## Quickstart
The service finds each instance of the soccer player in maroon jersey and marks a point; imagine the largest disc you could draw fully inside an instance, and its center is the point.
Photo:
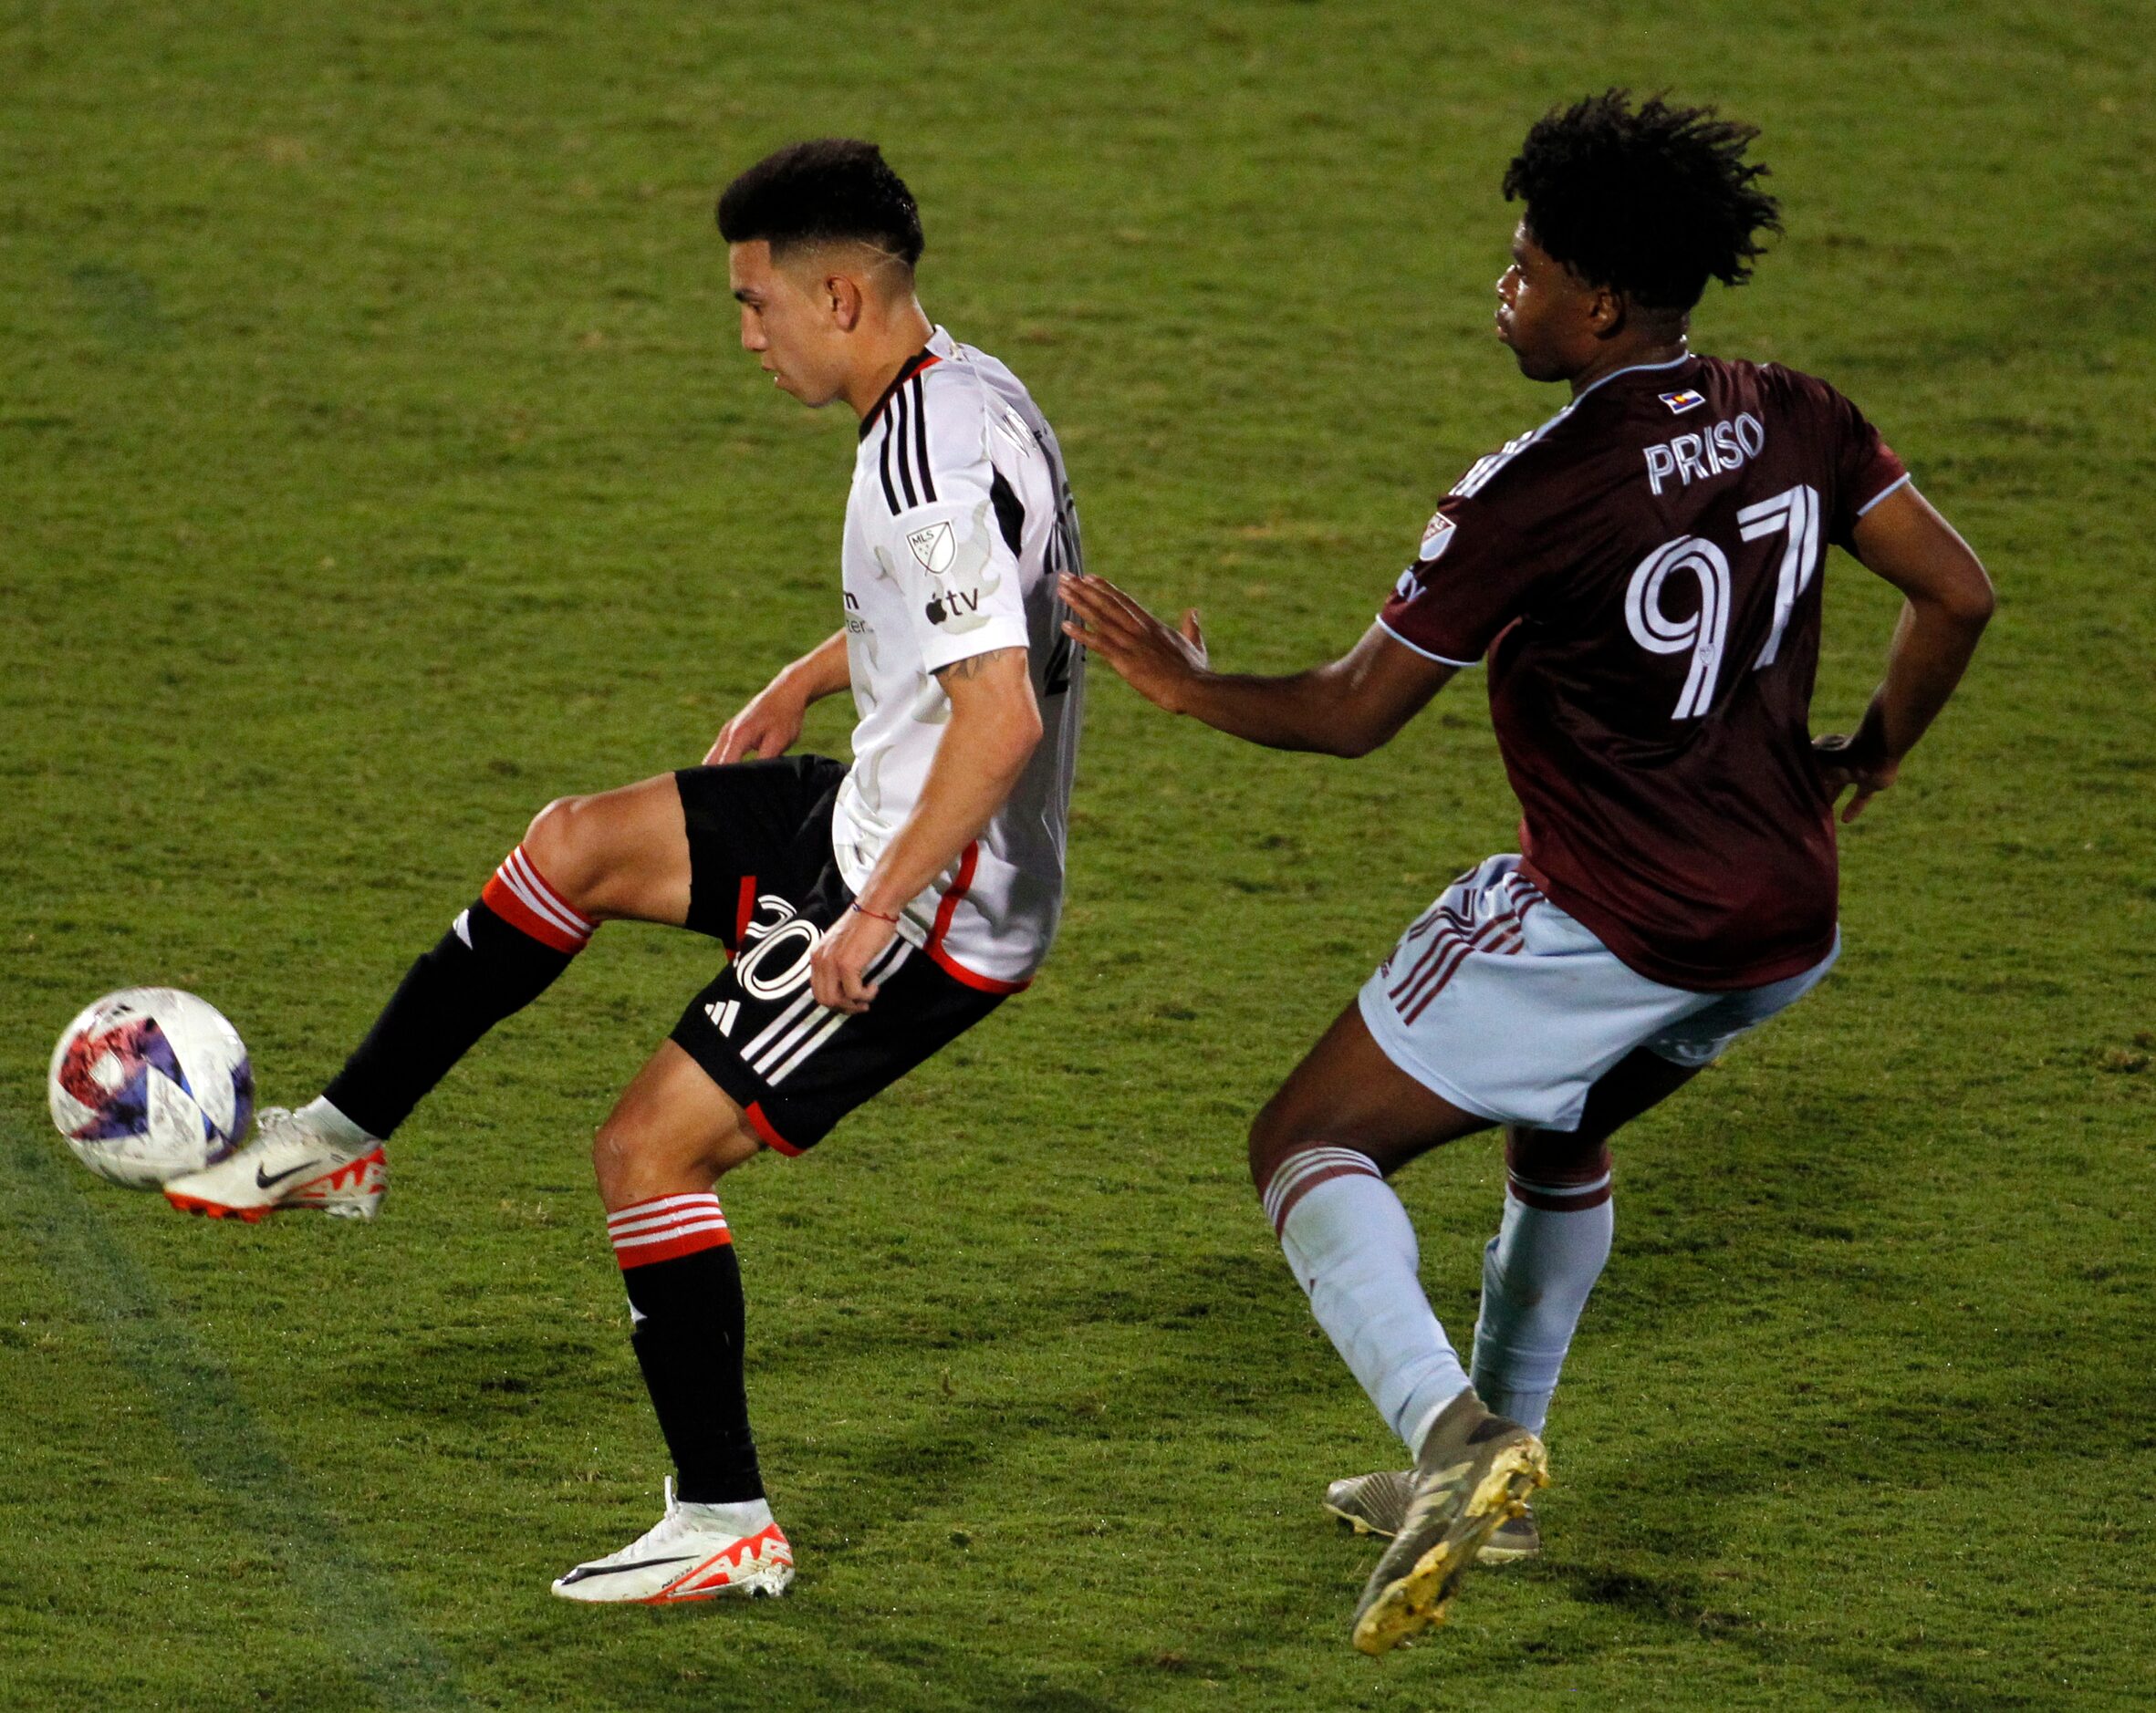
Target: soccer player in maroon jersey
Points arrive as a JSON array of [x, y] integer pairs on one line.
[[1640, 576]]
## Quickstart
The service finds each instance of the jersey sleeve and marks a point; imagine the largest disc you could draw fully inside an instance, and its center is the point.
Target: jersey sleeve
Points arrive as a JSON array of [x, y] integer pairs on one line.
[[959, 576], [1866, 469], [1870, 470], [1469, 579]]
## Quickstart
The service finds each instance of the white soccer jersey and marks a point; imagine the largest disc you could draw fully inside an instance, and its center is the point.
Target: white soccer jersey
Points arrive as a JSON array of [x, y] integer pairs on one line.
[[959, 521]]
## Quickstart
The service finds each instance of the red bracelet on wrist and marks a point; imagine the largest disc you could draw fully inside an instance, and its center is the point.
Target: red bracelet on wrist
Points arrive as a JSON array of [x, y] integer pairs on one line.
[[873, 914]]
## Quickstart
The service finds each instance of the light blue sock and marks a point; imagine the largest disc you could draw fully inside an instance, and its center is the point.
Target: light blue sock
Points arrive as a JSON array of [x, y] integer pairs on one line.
[[1353, 1250], [1536, 1273]]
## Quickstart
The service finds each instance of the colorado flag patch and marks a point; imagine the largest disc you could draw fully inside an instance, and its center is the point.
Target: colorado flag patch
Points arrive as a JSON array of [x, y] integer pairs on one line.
[[1679, 403]]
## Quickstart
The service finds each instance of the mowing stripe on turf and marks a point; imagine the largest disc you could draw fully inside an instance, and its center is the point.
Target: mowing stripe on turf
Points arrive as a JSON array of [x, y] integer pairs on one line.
[[349, 1601]]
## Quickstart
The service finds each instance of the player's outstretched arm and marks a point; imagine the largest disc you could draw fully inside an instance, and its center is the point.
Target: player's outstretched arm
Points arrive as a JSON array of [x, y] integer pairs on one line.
[[1948, 602], [993, 728], [771, 722], [1347, 707]]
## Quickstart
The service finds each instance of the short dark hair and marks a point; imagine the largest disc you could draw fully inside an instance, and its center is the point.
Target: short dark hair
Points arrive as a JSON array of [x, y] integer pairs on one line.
[[1651, 201], [833, 190]]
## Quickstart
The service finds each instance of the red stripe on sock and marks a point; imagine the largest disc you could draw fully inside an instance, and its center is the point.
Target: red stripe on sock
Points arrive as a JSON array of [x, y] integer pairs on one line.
[[691, 1244], [521, 895], [666, 1228], [495, 895]]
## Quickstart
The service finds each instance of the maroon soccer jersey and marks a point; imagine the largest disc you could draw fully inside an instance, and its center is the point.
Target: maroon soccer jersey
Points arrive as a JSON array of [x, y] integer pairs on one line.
[[1642, 572]]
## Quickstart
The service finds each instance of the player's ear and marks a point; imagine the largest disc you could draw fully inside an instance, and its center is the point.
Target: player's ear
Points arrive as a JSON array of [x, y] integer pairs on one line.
[[843, 301], [1606, 312]]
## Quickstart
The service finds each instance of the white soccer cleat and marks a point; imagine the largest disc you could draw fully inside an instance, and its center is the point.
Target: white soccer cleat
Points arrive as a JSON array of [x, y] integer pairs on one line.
[[695, 1552], [288, 1164]]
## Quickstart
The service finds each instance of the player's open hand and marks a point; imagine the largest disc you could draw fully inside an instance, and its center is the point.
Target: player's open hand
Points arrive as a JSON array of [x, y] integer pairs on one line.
[[849, 946], [1155, 662], [768, 726], [1858, 761]]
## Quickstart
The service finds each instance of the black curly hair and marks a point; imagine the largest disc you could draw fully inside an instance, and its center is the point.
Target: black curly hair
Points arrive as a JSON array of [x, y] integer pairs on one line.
[[1653, 201], [834, 189]]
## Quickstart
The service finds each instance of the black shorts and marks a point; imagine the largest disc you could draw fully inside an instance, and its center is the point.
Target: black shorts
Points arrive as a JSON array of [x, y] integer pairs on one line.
[[762, 880]]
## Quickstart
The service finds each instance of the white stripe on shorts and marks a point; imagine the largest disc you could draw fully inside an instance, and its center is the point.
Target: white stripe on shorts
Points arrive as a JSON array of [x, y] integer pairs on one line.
[[817, 1025]]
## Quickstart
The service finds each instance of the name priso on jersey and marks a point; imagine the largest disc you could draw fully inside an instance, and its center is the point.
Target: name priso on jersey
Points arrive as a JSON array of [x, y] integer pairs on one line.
[[1795, 512], [1719, 449]]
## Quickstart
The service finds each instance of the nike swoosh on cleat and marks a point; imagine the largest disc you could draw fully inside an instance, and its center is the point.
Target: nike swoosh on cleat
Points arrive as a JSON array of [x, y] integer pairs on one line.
[[583, 1570], [262, 1181]]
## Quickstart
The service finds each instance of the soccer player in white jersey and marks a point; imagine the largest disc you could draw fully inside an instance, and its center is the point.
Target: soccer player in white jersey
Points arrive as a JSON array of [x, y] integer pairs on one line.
[[874, 911]]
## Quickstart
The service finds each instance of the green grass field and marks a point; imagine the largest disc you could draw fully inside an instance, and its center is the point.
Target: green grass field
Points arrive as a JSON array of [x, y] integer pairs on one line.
[[376, 463]]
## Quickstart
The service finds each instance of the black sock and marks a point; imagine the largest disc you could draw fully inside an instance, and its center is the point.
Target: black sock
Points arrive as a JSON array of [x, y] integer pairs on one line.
[[481, 971], [688, 1341]]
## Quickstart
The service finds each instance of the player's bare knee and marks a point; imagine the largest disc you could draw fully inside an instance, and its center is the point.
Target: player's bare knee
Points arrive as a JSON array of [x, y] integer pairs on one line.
[[560, 844], [1274, 1133], [635, 1154], [613, 1155], [1260, 1152], [548, 830]]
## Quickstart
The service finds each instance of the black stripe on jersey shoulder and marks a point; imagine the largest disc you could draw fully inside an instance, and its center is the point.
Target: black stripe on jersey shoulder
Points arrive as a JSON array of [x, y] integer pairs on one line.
[[906, 370], [890, 494], [918, 404], [897, 437], [1010, 511]]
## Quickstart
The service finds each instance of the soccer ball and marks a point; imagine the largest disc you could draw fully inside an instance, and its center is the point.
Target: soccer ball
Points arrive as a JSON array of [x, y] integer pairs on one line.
[[151, 1082]]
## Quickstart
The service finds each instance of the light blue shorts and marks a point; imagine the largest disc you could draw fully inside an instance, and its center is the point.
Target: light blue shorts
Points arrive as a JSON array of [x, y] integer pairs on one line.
[[1499, 1003]]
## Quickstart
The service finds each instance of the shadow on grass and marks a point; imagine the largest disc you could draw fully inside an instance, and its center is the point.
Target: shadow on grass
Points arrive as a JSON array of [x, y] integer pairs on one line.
[[1707, 1484], [354, 1612]]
